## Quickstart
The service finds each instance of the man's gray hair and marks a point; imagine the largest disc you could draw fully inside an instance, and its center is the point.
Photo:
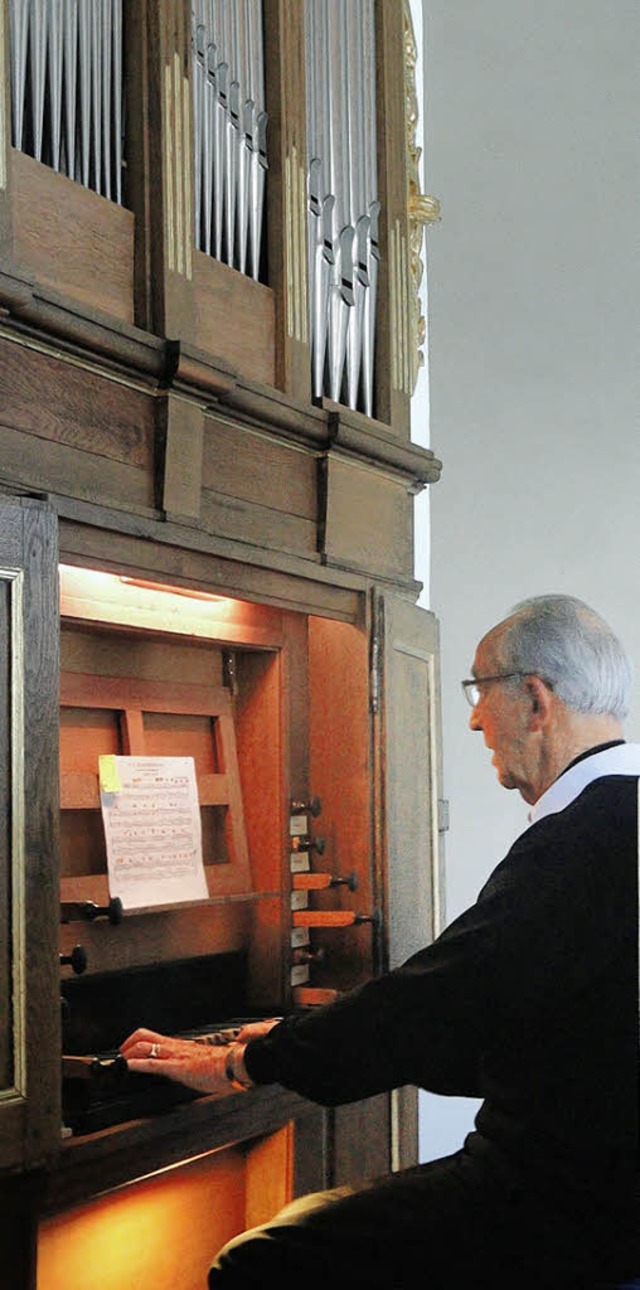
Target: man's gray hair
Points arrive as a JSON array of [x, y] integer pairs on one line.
[[568, 644]]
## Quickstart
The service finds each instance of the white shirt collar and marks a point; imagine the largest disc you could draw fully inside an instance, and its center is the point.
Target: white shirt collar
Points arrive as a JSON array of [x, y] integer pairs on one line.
[[623, 759]]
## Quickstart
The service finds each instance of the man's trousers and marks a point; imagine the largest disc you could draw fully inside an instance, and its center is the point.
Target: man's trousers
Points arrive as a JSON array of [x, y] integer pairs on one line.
[[454, 1224]]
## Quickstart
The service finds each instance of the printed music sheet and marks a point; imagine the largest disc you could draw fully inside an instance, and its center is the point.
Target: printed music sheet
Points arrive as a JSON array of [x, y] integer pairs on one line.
[[152, 829]]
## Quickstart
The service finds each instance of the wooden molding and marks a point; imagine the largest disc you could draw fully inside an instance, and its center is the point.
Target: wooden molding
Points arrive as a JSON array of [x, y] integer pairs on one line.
[[180, 464], [286, 192], [393, 334]]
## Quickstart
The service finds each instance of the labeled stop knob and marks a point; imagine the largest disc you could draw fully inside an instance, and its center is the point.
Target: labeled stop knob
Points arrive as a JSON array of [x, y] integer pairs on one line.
[[302, 842], [77, 959], [312, 807], [332, 918], [322, 881], [306, 955], [70, 910]]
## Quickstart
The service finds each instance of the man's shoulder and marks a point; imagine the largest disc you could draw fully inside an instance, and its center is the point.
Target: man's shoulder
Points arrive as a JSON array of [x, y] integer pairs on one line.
[[599, 824], [610, 801]]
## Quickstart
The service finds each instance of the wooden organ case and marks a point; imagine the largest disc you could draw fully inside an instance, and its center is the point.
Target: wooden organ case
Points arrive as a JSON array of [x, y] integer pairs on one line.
[[209, 331]]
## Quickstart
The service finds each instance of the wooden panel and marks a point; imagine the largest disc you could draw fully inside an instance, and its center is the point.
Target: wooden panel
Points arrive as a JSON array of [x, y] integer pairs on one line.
[[177, 1230], [136, 54], [369, 521], [187, 736], [85, 733], [163, 144], [20, 1197], [312, 1152], [121, 692], [132, 732], [287, 192], [258, 525], [6, 930], [411, 739], [41, 830], [405, 1111], [82, 410], [95, 660], [298, 716], [92, 1165], [6, 220], [82, 843], [150, 610], [234, 818], [257, 469], [262, 761], [340, 770], [269, 1179], [233, 318], [71, 239], [109, 652], [169, 720], [182, 433], [273, 579], [393, 329], [68, 471], [265, 949], [30, 1106], [155, 937], [80, 792], [362, 1141]]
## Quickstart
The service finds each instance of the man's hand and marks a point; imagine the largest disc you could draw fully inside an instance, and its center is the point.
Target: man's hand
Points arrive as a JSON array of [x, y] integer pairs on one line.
[[199, 1066], [254, 1029]]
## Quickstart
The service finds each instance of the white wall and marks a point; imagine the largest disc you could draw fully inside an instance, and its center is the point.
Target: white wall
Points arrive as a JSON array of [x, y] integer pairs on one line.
[[532, 146]]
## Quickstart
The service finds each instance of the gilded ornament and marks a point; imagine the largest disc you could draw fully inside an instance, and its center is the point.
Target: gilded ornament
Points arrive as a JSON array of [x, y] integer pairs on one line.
[[422, 209]]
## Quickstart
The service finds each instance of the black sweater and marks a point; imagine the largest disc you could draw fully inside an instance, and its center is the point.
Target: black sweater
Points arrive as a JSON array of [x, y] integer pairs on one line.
[[528, 1000]]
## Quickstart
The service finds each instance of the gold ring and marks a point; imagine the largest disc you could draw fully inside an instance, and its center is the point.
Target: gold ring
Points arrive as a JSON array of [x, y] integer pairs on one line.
[[155, 1050]]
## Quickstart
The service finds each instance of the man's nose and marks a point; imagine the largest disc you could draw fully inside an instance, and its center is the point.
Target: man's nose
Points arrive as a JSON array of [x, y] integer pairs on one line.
[[475, 721]]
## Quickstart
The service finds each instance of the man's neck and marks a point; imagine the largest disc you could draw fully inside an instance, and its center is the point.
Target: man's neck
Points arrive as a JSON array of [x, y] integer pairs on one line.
[[611, 743], [581, 733], [575, 736]]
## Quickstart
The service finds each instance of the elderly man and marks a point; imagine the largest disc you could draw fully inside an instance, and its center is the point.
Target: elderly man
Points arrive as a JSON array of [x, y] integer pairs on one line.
[[528, 1001]]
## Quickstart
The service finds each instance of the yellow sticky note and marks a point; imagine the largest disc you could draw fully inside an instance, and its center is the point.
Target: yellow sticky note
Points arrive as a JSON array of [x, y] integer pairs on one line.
[[109, 781]]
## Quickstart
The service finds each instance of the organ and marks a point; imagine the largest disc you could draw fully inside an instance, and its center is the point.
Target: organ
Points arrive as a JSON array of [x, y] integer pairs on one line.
[[209, 333]]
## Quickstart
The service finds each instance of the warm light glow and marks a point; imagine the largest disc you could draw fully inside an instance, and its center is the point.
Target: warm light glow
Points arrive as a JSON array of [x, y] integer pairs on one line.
[[120, 600], [163, 1232], [190, 592]]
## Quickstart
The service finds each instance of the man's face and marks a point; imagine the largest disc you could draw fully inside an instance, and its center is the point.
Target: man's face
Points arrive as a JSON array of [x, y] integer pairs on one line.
[[502, 714]]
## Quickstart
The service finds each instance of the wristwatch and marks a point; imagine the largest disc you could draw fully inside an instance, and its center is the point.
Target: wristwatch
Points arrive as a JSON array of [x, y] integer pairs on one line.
[[234, 1068]]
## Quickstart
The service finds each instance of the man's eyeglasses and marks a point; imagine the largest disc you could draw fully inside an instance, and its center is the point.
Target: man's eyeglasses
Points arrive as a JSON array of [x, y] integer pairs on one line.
[[471, 688]]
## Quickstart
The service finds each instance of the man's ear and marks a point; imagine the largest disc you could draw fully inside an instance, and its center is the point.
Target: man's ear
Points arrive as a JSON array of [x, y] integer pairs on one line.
[[541, 699]]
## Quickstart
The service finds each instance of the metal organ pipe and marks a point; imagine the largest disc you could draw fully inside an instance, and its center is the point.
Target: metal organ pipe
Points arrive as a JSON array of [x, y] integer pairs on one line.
[[67, 88], [230, 130], [67, 111], [343, 204]]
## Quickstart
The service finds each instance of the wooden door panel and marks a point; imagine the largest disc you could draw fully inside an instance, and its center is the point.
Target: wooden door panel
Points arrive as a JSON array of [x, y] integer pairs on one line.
[[407, 736], [410, 724], [29, 975]]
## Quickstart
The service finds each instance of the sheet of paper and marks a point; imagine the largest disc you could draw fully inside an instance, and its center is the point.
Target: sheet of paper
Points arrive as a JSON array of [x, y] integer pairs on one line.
[[152, 829]]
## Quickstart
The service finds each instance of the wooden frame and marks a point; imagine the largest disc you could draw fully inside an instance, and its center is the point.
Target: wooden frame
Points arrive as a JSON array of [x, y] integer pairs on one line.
[[139, 264], [178, 442], [30, 1103], [131, 699]]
